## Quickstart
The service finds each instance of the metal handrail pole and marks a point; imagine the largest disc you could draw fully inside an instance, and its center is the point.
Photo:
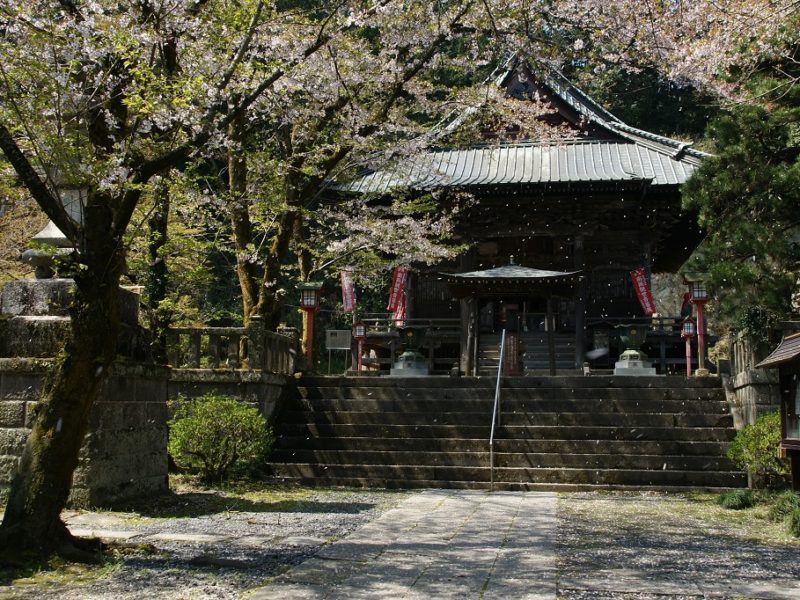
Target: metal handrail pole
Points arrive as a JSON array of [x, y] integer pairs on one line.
[[495, 410]]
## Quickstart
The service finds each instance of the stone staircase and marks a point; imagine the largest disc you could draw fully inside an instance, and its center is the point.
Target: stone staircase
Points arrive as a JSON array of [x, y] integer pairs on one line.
[[562, 433]]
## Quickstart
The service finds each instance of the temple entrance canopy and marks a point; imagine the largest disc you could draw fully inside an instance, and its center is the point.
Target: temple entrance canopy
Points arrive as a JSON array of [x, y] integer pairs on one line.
[[517, 299]]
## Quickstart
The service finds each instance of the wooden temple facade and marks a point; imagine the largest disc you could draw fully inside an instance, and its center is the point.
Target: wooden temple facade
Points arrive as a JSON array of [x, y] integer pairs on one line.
[[554, 231]]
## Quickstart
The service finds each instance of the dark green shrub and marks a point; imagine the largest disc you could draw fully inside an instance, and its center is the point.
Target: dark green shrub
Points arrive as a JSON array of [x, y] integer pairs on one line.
[[755, 450], [737, 499], [783, 505], [214, 435], [794, 522]]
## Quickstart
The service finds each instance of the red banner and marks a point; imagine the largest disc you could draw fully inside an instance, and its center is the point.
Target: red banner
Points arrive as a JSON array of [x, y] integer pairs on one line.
[[348, 292], [398, 283], [643, 291], [399, 315]]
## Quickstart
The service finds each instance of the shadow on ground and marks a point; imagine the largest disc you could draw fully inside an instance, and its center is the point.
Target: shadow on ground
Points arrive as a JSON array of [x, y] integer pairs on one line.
[[196, 504]]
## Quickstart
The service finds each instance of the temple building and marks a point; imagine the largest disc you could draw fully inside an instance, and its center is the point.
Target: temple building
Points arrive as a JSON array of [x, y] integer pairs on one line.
[[557, 225]]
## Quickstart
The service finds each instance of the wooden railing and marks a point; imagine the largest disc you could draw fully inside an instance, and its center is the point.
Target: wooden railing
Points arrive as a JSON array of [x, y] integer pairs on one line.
[[251, 348], [385, 322], [384, 332]]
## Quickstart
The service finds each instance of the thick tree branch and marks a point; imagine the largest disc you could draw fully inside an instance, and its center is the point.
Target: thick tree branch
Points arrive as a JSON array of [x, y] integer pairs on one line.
[[44, 198]]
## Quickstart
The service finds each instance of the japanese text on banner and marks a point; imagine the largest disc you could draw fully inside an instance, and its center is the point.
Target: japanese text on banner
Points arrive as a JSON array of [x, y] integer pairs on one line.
[[399, 315], [643, 292], [348, 291], [398, 283]]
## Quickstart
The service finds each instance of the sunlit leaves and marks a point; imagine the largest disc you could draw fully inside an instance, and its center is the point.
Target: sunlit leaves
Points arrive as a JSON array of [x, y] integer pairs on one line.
[[748, 197]]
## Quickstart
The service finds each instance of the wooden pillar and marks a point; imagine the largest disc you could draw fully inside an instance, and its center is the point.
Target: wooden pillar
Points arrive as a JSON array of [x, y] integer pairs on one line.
[[475, 336], [794, 462], [550, 323], [580, 302], [409, 292], [468, 331]]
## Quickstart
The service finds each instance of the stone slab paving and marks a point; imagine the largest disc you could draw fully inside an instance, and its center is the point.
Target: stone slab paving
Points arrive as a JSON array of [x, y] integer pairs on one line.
[[437, 544], [504, 545]]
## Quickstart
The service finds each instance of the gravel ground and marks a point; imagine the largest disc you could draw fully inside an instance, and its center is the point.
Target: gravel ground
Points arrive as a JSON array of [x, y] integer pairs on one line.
[[668, 538], [261, 539]]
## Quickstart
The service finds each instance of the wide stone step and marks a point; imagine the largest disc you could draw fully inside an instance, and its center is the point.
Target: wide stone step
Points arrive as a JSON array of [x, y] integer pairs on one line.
[[562, 475], [505, 459], [457, 393], [510, 417], [509, 406], [401, 484], [668, 381], [557, 446], [508, 431]]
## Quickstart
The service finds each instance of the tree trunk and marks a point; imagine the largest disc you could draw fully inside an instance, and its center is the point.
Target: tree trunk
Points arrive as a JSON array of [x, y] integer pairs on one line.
[[246, 267], [39, 491], [158, 274], [304, 261], [268, 301]]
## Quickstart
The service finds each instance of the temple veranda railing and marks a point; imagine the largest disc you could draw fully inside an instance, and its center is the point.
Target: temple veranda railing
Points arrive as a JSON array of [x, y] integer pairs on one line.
[[251, 348]]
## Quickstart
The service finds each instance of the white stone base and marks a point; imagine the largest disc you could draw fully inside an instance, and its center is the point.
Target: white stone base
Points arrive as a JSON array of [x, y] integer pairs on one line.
[[633, 367], [408, 370]]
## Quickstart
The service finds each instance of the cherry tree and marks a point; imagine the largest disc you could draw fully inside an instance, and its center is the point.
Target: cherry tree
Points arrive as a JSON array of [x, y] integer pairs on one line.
[[358, 97], [104, 96], [716, 45]]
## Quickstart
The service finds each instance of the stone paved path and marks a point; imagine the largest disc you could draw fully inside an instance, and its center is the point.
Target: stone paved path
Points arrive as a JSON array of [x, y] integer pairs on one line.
[[452, 544], [437, 544]]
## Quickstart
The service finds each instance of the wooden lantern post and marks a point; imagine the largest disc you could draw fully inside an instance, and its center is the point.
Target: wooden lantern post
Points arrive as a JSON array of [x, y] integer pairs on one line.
[[359, 335], [699, 297], [687, 333], [309, 304]]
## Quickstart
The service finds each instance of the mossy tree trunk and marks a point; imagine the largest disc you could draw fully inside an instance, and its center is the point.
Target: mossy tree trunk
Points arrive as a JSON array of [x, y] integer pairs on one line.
[[39, 492], [158, 273], [247, 268]]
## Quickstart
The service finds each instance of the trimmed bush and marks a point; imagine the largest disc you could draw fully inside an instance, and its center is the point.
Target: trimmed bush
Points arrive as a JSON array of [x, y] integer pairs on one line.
[[755, 450], [215, 435], [737, 499]]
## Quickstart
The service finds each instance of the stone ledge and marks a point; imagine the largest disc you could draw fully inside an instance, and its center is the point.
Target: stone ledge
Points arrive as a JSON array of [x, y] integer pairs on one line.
[[225, 376], [26, 365], [755, 377], [12, 413], [12, 441]]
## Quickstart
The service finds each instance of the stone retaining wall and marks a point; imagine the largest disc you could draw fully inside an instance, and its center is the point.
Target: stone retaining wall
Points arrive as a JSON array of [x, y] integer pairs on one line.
[[263, 390], [125, 452], [752, 393]]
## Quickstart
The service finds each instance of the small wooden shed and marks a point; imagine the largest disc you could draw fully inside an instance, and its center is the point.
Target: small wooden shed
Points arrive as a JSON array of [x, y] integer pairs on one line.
[[786, 358]]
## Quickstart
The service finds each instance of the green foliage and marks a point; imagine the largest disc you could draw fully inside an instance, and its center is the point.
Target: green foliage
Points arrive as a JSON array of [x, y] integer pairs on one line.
[[757, 322], [649, 100], [200, 282], [794, 522], [783, 505], [747, 197], [755, 449], [737, 499], [215, 435]]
